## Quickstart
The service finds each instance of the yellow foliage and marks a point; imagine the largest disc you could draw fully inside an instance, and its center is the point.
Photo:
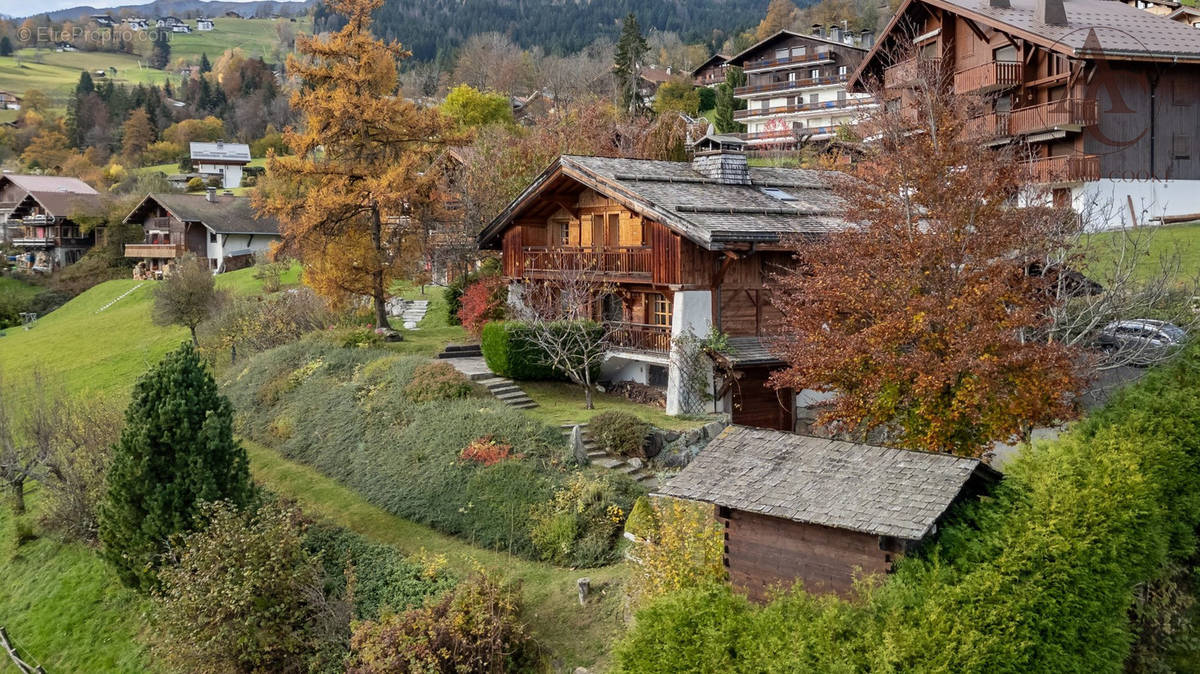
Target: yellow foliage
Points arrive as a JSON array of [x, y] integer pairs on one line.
[[684, 550]]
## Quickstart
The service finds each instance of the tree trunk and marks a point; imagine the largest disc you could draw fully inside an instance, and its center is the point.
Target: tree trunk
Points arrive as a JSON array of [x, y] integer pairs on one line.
[[195, 342], [18, 497], [587, 391], [378, 294]]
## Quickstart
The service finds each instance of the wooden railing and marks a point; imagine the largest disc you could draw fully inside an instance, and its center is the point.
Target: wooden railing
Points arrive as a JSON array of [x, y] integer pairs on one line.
[[1065, 112], [804, 107], [909, 72], [990, 76], [154, 250], [640, 336], [786, 61], [606, 261], [986, 127], [784, 85], [1069, 168], [157, 223]]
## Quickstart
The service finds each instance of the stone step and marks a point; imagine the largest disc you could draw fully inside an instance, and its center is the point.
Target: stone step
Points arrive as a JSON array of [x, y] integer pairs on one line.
[[608, 462], [524, 406], [596, 454], [515, 396]]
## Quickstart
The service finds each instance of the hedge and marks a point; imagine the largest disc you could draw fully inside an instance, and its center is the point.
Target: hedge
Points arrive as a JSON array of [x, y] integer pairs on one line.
[[510, 350], [1043, 576]]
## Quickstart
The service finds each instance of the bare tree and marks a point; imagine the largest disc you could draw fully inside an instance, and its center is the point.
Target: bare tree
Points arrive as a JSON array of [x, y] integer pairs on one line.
[[27, 435], [557, 312], [75, 471], [187, 297]]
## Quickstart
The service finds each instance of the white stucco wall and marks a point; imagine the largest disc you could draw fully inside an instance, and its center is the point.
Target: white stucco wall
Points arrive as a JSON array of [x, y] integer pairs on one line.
[[231, 174], [230, 243], [691, 311]]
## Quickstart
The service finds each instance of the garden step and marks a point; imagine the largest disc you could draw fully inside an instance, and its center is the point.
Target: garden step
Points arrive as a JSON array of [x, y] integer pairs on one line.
[[628, 469], [609, 462], [525, 406], [513, 397], [597, 454]]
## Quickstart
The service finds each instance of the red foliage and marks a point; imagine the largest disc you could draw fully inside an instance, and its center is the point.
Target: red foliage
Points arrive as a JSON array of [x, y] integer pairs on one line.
[[487, 451], [482, 301]]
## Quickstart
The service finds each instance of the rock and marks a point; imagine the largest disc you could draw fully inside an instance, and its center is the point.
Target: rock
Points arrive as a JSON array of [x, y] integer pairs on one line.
[[635, 462], [410, 325], [390, 335], [581, 670], [585, 584], [578, 450], [713, 428]]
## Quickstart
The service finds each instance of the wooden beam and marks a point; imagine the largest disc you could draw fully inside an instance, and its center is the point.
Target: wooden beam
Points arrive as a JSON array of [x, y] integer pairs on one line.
[[719, 277], [566, 205], [975, 29]]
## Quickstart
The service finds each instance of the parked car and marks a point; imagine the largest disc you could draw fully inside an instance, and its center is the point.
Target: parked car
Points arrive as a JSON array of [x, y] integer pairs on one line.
[[1144, 340]]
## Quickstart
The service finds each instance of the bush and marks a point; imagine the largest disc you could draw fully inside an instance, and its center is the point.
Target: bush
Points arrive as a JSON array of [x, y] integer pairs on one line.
[[77, 469], [214, 181], [708, 98], [486, 451], [437, 381], [195, 184], [510, 350], [476, 628], [482, 302], [454, 292], [581, 524], [253, 324], [681, 547], [620, 432]]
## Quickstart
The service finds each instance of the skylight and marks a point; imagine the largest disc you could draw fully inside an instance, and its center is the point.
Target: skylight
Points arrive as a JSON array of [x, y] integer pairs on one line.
[[777, 193]]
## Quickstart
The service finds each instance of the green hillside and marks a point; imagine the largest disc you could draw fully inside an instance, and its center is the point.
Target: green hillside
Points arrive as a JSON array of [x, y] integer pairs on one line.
[[1164, 243]]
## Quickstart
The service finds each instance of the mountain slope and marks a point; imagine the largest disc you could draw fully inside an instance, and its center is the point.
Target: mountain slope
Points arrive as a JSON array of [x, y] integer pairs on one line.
[[263, 8]]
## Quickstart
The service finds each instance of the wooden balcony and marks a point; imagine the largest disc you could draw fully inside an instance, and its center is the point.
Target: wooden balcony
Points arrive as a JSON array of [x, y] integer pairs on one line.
[[988, 77], [612, 263], [785, 85], [987, 127], [1071, 168], [640, 337], [161, 223], [910, 72], [39, 219], [804, 107], [765, 64], [1070, 113], [154, 250], [34, 241]]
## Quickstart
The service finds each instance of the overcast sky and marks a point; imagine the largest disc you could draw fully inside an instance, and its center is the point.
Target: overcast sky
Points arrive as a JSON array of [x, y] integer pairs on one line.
[[24, 7]]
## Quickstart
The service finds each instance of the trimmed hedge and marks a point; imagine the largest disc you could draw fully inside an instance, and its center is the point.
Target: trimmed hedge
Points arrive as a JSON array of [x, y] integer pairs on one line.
[[510, 351], [1043, 576]]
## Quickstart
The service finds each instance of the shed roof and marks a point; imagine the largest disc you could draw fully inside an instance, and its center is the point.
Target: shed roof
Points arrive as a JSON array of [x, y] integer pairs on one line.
[[220, 151], [749, 352], [718, 59], [865, 488], [226, 215], [706, 211]]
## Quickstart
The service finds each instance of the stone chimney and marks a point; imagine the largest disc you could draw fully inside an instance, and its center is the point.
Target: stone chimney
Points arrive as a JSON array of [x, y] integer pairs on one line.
[[211, 194], [866, 39], [818, 30], [1050, 12], [721, 158], [835, 33]]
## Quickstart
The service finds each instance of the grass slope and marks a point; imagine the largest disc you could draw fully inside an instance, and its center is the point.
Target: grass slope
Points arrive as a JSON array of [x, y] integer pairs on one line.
[[1164, 243], [16, 288]]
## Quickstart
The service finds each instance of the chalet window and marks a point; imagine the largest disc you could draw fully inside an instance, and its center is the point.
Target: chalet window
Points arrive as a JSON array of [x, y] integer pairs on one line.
[[815, 73], [799, 51], [562, 232], [843, 70], [1181, 146], [614, 229], [612, 308], [1056, 64], [657, 376], [841, 95], [598, 229], [660, 310], [212, 237], [1005, 54], [781, 54], [813, 99]]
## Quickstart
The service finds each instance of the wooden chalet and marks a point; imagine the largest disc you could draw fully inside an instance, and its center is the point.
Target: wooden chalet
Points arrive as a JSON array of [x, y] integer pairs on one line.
[[821, 512], [41, 219], [1105, 96], [685, 246], [222, 229], [711, 72], [14, 188]]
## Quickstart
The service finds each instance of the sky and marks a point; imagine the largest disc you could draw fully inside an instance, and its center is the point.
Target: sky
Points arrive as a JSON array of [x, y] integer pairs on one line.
[[23, 7]]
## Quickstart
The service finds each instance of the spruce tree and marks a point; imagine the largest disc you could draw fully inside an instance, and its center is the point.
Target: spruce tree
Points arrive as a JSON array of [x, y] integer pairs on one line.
[[627, 65], [726, 102], [176, 451], [160, 52], [6, 48], [205, 66]]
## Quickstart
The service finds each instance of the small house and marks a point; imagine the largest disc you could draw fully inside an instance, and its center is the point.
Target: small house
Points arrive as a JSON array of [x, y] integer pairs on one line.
[[47, 227], [221, 159], [9, 101], [181, 28], [14, 188], [711, 72], [222, 229], [167, 22], [821, 512], [1186, 15], [103, 20], [204, 24]]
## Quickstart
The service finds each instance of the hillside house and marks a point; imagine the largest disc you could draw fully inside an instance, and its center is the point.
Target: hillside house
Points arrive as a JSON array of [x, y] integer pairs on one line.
[[686, 247], [1106, 97], [222, 159], [711, 72], [9, 101], [1189, 16], [220, 228], [821, 512], [204, 24], [49, 233], [168, 22], [181, 28], [15, 187], [795, 88]]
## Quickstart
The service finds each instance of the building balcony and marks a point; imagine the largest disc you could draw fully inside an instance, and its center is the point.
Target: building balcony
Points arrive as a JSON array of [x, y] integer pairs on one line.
[[161, 223], [822, 106], [987, 127], [787, 61], [40, 219], [34, 241], [1071, 114], [710, 81], [1071, 168], [154, 250], [613, 263], [640, 337], [988, 77], [908, 73], [787, 136], [757, 90]]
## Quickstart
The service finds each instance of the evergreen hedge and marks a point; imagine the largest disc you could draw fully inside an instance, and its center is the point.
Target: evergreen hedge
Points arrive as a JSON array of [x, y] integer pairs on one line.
[[1043, 576], [510, 350]]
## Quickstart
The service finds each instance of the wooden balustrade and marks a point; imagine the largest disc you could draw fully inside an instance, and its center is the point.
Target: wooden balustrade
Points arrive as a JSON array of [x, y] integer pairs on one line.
[[1066, 168], [154, 250], [909, 72], [615, 262], [1045, 116], [803, 107], [786, 61], [784, 85], [640, 336], [986, 127], [987, 77]]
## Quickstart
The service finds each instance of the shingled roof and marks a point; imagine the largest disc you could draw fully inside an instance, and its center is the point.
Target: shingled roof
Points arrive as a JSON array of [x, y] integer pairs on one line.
[[779, 201], [47, 183], [225, 214], [60, 204], [865, 488]]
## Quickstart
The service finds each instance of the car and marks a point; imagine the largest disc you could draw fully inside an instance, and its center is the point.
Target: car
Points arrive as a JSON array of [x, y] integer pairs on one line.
[[1141, 341]]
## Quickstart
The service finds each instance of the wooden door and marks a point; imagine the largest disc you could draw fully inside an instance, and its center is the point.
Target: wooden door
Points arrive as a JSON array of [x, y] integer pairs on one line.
[[757, 404]]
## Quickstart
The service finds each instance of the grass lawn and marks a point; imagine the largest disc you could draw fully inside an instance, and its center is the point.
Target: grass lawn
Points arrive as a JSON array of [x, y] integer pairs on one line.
[[11, 287], [562, 403], [1164, 242], [576, 636], [64, 607], [256, 37], [435, 330]]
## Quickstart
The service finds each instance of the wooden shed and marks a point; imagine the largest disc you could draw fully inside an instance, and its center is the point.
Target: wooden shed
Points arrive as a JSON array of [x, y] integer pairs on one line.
[[822, 512]]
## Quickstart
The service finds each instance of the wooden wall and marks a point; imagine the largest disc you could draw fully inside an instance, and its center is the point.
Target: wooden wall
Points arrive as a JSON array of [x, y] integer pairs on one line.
[[762, 551], [757, 404]]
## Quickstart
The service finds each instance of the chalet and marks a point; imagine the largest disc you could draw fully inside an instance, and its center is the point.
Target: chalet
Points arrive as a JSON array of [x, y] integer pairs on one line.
[[204, 24], [1103, 95], [686, 247], [650, 78], [1189, 16], [9, 101], [168, 22], [181, 28], [221, 159], [49, 232], [711, 72], [15, 187], [64, 47], [795, 87], [220, 228], [822, 512], [137, 24], [103, 20]]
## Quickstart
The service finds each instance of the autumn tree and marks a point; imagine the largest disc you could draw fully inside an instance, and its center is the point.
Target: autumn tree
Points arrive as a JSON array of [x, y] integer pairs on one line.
[[188, 296], [471, 108], [627, 64], [137, 134], [348, 196], [27, 434], [781, 14], [49, 149], [920, 318], [677, 95]]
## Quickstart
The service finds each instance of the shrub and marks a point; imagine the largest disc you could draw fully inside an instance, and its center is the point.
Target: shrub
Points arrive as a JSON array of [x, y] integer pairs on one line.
[[682, 547], [486, 450], [454, 292], [510, 350], [251, 324], [195, 184], [619, 432], [359, 338], [476, 628], [213, 181], [482, 302], [581, 524], [76, 471], [437, 381]]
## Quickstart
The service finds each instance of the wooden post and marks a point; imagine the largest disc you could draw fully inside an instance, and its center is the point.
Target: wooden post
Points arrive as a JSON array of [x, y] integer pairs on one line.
[[584, 586]]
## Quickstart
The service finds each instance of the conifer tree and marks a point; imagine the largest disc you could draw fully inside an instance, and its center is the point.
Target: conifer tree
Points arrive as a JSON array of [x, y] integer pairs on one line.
[[627, 67], [160, 51], [175, 452], [6, 48], [205, 66], [726, 103]]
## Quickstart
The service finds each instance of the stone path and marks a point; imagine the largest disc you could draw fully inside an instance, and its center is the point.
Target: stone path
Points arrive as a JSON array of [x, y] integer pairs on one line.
[[410, 312], [467, 359], [635, 468]]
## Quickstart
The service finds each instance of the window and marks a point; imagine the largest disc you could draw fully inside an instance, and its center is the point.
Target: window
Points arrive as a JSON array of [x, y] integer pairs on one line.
[[614, 229], [660, 310], [562, 232], [813, 99], [212, 237], [799, 51], [781, 54], [815, 73], [841, 95], [598, 229], [777, 193], [657, 376], [1181, 146], [843, 70]]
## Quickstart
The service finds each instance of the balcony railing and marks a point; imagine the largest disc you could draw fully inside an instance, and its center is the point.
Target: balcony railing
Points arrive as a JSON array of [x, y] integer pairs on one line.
[[157, 223], [154, 250], [787, 61], [33, 241], [804, 107], [617, 262], [987, 127], [640, 336], [1071, 168], [988, 77], [40, 219], [907, 73], [1055, 114], [784, 85]]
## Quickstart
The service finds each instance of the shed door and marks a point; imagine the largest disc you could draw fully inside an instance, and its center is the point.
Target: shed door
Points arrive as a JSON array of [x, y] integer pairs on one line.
[[759, 405]]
